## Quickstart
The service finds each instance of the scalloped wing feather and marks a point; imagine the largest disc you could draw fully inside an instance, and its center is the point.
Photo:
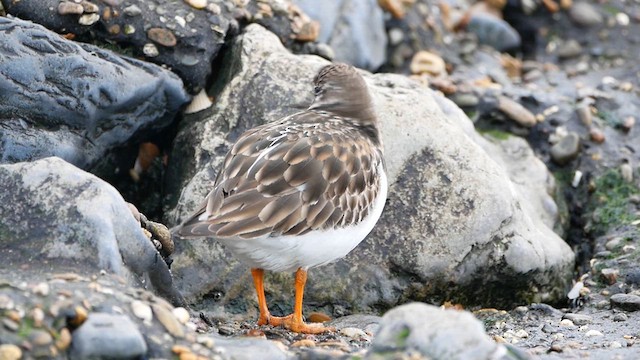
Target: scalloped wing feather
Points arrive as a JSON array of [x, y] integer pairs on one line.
[[311, 170]]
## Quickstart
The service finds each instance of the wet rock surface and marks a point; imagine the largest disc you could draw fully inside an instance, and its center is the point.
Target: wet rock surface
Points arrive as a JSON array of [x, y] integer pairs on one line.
[[76, 101], [172, 33]]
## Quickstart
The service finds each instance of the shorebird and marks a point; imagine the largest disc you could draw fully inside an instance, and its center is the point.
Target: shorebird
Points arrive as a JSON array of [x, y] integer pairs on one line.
[[302, 191]]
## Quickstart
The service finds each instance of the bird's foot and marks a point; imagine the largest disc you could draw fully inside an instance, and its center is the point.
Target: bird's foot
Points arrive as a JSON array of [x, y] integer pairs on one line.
[[300, 326], [273, 320]]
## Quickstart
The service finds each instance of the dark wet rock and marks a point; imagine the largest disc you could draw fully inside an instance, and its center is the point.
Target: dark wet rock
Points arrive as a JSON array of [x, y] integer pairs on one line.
[[566, 149], [107, 336], [354, 29], [427, 331], [75, 101], [52, 211], [579, 319], [494, 32], [627, 302], [487, 240], [198, 33]]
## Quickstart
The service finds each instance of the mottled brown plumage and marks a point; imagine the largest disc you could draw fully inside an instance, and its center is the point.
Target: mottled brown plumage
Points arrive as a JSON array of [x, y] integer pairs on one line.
[[302, 191], [315, 169]]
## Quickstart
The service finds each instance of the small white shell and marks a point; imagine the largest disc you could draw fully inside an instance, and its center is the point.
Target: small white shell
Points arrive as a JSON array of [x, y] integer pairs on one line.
[[199, 102]]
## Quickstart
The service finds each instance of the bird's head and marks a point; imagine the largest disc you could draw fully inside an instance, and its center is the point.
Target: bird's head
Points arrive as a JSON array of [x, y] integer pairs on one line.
[[339, 89]]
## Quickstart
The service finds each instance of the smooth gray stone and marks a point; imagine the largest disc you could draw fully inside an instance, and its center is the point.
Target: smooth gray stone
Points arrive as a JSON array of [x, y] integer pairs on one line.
[[107, 336]]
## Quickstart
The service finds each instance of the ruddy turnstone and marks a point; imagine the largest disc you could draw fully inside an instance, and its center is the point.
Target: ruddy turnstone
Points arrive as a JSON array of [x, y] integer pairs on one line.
[[301, 191]]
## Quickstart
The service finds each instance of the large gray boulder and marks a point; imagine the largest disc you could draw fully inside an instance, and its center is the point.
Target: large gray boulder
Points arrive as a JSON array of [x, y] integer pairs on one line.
[[76, 101], [455, 225], [54, 216]]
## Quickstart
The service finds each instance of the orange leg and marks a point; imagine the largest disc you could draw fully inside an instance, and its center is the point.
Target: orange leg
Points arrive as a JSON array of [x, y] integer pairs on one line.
[[265, 317], [295, 323]]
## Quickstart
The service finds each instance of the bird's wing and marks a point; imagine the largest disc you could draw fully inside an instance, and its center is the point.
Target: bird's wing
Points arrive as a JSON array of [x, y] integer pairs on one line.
[[290, 177]]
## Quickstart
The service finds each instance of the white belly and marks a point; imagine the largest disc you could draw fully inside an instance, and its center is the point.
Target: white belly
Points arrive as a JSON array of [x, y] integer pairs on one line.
[[288, 253]]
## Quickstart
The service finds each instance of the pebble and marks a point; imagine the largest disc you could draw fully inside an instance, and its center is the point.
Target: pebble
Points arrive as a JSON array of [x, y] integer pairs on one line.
[[396, 36], [578, 319], [613, 243], [6, 303], [626, 171], [522, 310], [89, 7], [548, 329], [88, 19], [129, 29], [615, 345], [566, 322], [303, 343], [633, 276], [64, 339], [150, 50], [162, 36], [353, 333], [10, 324], [596, 135], [308, 31], [107, 335], [38, 316], [556, 348], [41, 289], [142, 311], [577, 176], [620, 317], [325, 51], [198, 4], [40, 338], [584, 113], [591, 333], [132, 10], [465, 99], [215, 9], [493, 31], [569, 49], [168, 320], [625, 302], [622, 19], [516, 112], [429, 63], [566, 149], [584, 14], [69, 8], [181, 314], [610, 276], [628, 122], [10, 352]]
